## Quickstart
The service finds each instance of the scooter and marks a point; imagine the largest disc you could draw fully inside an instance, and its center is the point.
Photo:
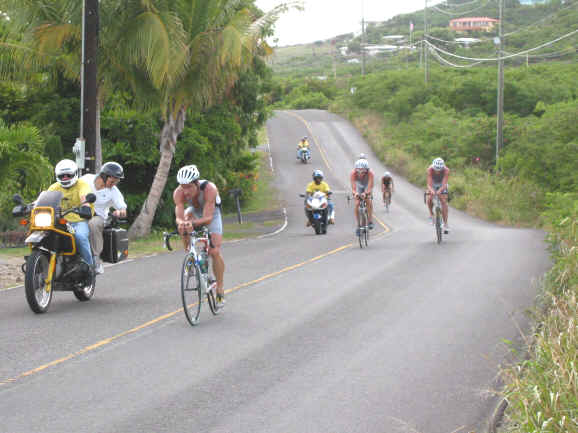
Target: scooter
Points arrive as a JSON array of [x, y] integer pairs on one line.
[[304, 155], [54, 263], [317, 204]]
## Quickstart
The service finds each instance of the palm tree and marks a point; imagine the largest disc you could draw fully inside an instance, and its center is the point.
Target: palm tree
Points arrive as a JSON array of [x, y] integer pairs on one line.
[[222, 37]]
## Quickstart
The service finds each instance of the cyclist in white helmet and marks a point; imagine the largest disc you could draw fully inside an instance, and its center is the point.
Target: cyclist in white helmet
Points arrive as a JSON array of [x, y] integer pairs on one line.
[[437, 184], [197, 203], [361, 178]]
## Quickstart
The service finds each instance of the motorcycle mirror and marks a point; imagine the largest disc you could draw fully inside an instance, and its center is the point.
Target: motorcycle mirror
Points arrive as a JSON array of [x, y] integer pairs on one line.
[[301, 195], [90, 198], [16, 198]]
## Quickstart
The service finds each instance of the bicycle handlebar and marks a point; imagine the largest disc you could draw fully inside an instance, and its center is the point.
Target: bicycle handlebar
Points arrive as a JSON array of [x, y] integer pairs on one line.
[[167, 236]]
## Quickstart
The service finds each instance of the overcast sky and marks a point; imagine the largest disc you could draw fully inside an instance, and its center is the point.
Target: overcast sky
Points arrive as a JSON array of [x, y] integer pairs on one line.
[[323, 19]]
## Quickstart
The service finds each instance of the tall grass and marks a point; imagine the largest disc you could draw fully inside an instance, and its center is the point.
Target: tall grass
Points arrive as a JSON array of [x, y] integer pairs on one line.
[[542, 392]]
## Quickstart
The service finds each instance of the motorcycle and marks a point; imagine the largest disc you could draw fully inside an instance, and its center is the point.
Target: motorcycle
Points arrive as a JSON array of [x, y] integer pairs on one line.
[[304, 155], [53, 263], [317, 204]]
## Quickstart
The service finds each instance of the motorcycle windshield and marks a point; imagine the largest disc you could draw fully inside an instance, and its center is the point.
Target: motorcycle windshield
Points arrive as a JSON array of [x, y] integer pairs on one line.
[[49, 199]]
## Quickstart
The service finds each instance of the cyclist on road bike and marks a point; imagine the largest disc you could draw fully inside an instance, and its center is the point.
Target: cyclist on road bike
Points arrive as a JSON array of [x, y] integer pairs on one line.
[[302, 146], [318, 184], [437, 184], [361, 178], [386, 185], [197, 203]]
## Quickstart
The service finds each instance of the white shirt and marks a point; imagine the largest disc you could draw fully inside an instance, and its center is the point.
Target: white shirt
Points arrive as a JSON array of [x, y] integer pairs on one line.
[[105, 197]]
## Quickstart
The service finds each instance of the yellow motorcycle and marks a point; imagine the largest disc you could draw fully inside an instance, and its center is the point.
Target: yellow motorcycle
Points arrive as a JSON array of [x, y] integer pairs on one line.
[[53, 263]]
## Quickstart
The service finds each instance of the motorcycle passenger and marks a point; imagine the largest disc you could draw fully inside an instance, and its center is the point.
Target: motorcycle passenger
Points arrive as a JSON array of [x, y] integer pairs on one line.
[[197, 203], [361, 178], [302, 146], [107, 195], [386, 186], [318, 184], [74, 191], [437, 184]]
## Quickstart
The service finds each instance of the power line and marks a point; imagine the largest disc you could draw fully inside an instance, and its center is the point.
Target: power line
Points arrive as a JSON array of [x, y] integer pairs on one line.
[[567, 35], [540, 20], [459, 13]]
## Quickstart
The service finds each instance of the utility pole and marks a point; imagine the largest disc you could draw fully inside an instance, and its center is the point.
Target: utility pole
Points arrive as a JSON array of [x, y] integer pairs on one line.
[[425, 47], [89, 81], [500, 107], [362, 40]]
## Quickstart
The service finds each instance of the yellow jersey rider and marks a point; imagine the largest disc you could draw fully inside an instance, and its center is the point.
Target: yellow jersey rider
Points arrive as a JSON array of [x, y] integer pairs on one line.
[[318, 184], [303, 146]]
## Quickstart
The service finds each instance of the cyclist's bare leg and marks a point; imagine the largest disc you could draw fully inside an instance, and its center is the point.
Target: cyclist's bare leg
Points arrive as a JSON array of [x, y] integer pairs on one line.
[[444, 200], [185, 231], [369, 202], [218, 262], [430, 204], [357, 211]]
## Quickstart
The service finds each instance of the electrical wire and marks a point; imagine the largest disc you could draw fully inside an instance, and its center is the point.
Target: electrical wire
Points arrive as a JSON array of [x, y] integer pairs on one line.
[[503, 57], [447, 62], [540, 20]]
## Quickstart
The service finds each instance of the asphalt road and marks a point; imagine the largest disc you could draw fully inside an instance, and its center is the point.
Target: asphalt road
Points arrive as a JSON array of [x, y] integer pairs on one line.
[[317, 336]]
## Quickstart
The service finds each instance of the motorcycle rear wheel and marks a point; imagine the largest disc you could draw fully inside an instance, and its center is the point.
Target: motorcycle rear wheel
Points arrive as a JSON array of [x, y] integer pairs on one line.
[[86, 292], [37, 266]]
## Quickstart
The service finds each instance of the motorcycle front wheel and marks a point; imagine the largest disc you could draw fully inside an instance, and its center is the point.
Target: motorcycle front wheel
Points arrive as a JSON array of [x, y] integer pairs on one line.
[[37, 296]]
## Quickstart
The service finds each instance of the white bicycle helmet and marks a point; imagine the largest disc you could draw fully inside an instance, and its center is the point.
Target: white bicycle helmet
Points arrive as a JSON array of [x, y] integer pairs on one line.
[[318, 173], [187, 174], [438, 164], [362, 164], [66, 172], [362, 156], [387, 174]]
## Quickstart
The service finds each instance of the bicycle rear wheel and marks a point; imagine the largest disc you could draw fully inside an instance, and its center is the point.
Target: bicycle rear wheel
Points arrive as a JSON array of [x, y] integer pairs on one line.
[[212, 301], [366, 236], [191, 289], [362, 229]]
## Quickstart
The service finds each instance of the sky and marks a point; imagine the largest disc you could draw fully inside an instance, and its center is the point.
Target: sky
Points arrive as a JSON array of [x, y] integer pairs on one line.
[[323, 19]]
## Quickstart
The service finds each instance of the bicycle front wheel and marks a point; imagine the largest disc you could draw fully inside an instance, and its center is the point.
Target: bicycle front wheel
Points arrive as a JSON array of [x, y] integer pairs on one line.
[[191, 289], [438, 228]]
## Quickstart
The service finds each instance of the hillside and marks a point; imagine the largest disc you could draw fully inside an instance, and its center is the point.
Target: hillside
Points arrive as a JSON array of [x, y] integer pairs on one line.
[[524, 27]]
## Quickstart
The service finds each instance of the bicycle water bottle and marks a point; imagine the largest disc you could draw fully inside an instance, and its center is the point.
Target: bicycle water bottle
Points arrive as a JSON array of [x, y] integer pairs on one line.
[[204, 262]]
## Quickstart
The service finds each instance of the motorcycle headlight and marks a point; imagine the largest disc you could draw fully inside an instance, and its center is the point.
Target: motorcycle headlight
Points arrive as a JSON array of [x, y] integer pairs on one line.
[[43, 219]]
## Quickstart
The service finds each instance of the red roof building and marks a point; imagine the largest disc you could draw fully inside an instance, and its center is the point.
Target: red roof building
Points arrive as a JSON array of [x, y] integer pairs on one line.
[[474, 23]]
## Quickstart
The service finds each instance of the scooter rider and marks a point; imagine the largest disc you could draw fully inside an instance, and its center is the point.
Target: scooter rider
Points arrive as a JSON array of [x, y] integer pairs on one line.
[[318, 184], [302, 146], [74, 191], [107, 195]]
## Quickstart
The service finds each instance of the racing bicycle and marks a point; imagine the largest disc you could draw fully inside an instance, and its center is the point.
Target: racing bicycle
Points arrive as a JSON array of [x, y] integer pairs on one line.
[[196, 280], [362, 231]]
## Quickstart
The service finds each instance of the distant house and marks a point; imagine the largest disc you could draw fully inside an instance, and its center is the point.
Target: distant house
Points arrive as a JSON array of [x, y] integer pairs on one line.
[[532, 2], [474, 23], [466, 42], [372, 50]]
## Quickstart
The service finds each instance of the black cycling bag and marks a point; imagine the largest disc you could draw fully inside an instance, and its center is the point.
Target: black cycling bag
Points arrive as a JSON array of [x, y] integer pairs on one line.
[[115, 246]]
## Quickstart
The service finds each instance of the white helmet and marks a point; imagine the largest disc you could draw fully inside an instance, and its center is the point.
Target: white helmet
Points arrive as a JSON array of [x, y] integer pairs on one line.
[[188, 174], [66, 172], [362, 163], [387, 174], [318, 173], [362, 156], [438, 164]]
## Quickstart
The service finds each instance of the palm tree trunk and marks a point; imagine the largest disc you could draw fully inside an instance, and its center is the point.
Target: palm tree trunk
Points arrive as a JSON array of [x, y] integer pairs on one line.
[[168, 140]]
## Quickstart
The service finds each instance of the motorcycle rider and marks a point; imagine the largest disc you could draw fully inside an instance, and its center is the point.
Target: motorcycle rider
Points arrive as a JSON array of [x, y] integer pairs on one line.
[[74, 191], [107, 195], [197, 203], [302, 146], [318, 184]]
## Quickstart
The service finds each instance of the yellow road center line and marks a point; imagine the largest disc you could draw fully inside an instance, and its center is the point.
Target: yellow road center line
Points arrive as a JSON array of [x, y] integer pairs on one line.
[[319, 147], [163, 317]]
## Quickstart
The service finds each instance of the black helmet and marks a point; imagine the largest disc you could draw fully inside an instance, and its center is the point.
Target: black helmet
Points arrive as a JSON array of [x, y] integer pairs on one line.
[[113, 169]]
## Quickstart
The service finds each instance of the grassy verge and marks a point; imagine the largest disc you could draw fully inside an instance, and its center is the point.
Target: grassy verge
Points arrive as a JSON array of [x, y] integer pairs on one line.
[[492, 197], [542, 391]]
